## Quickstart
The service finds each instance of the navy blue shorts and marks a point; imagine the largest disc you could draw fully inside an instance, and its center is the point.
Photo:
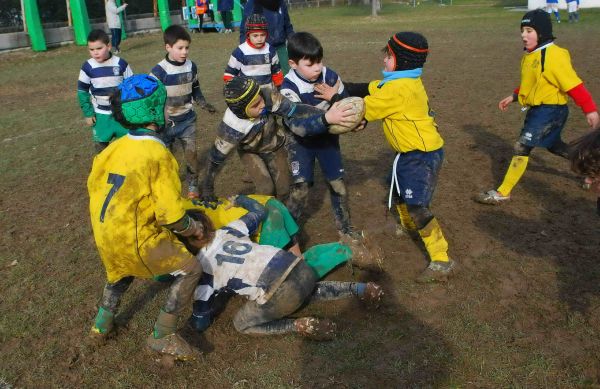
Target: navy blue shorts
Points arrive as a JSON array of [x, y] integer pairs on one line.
[[416, 174], [543, 125], [326, 150]]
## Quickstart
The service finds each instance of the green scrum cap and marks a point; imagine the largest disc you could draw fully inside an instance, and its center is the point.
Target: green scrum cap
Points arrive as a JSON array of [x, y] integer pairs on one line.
[[143, 99]]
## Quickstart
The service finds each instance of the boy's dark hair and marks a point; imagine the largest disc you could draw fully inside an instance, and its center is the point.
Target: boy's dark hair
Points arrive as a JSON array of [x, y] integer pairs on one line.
[[304, 45], [98, 35], [174, 33], [585, 155], [209, 230]]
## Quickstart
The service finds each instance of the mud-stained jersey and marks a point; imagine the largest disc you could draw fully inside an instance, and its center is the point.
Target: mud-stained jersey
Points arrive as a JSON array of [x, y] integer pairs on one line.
[[232, 261], [134, 191]]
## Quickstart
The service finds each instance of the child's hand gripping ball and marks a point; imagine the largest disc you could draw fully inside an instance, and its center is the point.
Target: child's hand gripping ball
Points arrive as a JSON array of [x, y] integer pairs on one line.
[[352, 123]]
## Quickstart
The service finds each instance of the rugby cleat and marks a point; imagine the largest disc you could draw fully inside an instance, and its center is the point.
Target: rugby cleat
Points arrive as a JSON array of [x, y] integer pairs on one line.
[[173, 345], [372, 294], [365, 254], [491, 197], [437, 271], [316, 329]]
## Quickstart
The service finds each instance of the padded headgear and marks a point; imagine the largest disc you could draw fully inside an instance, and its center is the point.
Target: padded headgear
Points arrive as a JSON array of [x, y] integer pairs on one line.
[[142, 99], [239, 92], [540, 21], [256, 22], [409, 50]]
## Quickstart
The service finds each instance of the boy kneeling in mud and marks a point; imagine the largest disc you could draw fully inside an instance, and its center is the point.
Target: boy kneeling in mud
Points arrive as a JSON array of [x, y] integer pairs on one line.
[[275, 281]]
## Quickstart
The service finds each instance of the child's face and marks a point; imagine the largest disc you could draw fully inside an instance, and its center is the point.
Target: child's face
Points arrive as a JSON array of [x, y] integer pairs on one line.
[[179, 51], [99, 50], [256, 107], [257, 38], [530, 38], [308, 70], [389, 63]]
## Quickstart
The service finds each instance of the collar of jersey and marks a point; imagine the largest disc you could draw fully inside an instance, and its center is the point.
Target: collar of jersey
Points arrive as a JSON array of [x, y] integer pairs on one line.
[[318, 80], [540, 48], [175, 63], [143, 134], [389, 76]]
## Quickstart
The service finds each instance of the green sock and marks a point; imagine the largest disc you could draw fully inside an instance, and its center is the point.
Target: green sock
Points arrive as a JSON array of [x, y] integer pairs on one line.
[[325, 257], [104, 321]]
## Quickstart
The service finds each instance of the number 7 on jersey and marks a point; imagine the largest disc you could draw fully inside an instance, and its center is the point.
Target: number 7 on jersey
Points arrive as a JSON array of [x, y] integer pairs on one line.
[[117, 181]]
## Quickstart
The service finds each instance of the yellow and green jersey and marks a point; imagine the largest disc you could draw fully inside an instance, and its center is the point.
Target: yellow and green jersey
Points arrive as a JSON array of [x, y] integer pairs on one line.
[[403, 107], [134, 191], [546, 76]]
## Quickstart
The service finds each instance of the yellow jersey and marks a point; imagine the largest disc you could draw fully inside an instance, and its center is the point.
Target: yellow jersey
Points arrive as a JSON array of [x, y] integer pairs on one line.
[[224, 213], [134, 191], [403, 106], [551, 85]]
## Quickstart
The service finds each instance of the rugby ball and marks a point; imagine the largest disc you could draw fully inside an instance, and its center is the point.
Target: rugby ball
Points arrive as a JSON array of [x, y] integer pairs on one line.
[[358, 110]]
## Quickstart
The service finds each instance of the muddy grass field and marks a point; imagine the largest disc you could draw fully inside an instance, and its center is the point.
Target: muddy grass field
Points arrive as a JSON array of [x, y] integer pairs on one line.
[[523, 311]]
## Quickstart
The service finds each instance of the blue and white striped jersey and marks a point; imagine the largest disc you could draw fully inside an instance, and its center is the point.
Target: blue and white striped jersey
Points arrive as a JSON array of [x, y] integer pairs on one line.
[[100, 80], [232, 261], [258, 64], [181, 81], [299, 90]]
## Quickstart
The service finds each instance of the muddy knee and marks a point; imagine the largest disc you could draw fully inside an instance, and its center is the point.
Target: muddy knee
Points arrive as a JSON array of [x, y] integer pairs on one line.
[[420, 214]]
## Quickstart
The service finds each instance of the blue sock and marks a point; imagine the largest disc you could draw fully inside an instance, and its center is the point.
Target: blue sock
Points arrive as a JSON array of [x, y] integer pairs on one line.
[[557, 16], [359, 288]]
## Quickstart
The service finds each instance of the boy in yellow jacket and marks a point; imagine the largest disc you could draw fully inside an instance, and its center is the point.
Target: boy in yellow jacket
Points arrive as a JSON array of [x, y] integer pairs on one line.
[[547, 79], [138, 214], [400, 101]]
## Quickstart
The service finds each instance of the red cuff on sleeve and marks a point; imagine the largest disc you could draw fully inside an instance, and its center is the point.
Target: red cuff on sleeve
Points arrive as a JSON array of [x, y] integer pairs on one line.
[[583, 98], [227, 77], [277, 78], [516, 91]]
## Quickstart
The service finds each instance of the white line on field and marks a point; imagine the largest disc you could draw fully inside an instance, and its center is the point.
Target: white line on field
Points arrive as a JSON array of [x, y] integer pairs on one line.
[[30, 134]]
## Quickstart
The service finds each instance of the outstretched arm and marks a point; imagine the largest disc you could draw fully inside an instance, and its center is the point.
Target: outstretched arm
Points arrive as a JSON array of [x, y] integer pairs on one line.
[[256, 212]]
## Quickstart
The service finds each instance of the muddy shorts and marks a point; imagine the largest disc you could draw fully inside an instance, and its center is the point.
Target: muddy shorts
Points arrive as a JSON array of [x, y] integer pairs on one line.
[[543, 125], [323, 148], [107, 129], [415, 175], [289, 296], [183, 129]]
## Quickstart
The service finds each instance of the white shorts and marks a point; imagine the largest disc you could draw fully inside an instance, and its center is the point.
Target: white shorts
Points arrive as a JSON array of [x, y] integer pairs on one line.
[[572, 6], [551, 7]]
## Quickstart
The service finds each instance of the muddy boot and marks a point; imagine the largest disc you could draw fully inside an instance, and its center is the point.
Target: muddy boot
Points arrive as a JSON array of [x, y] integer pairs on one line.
[[366, 255], [316, 329], [173, 345], [372, 295], [437, 271]]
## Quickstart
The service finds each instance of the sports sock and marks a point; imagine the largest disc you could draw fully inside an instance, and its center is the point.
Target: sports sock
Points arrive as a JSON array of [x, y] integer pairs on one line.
[[405, 220], [435, 243], [336, 290], [282, 326], [104, 320], [515, 171], [557, 15], [166, 324]]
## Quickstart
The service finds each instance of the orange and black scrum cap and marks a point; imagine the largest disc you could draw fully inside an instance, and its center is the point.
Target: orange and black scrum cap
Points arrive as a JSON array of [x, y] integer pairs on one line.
[[409, 50]]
